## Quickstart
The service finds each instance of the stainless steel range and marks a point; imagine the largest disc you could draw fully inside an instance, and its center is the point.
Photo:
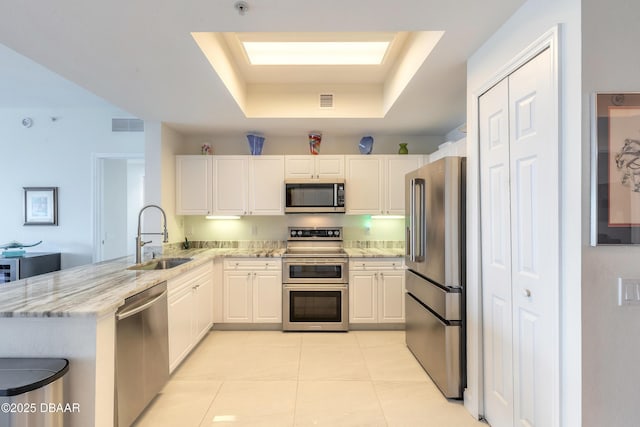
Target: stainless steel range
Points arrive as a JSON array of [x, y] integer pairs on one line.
[[315, 277]]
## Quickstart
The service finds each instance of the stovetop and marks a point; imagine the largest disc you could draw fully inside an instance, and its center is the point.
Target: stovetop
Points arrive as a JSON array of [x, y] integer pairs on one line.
[[310, 252]]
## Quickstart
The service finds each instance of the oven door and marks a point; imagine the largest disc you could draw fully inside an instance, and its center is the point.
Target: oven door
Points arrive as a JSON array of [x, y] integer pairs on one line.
[[314, 270], [315, 308]]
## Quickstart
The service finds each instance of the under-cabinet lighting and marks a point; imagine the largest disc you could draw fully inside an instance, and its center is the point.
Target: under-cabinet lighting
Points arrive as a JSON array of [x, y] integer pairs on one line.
[[387, 216], [315, 53], [222, 217]]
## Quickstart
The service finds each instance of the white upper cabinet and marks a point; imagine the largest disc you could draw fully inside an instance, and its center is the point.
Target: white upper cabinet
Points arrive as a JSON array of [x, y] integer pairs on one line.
[[364, 184], [314, 167], [247, 185], [230, 185], [266, 185], [375, 183], [396, 167], [193, 185]]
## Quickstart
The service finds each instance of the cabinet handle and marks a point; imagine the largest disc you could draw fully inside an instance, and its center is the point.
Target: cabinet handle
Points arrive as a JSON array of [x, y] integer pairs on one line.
[[248, 274], [526, 293], [382, 275]]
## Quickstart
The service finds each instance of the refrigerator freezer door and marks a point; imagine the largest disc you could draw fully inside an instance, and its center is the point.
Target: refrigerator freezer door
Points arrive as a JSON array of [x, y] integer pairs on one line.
[[446, 303], [436, 346]]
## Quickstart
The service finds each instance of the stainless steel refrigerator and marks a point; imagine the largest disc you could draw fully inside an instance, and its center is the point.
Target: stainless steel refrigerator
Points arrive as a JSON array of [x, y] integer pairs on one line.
[[435, 276]]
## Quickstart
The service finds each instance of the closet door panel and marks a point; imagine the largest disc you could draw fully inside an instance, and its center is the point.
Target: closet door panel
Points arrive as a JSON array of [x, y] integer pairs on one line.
[[496, 255]]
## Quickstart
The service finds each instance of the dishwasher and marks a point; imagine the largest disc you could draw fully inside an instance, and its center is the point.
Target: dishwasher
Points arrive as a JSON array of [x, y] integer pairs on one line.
[[142, 352]]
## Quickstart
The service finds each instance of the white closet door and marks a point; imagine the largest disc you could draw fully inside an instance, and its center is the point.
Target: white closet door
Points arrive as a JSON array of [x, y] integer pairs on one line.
[[535, 240], [523, 185], [496, 255]]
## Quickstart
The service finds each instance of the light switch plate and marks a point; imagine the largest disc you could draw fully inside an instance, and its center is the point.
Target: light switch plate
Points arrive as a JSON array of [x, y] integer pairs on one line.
[[628, 291]]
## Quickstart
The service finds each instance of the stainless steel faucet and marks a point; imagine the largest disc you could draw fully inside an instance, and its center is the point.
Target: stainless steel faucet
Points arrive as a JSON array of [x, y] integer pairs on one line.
[[139, 242]]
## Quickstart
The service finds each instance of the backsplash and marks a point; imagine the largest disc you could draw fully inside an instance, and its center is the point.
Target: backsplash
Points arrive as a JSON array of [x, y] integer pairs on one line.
[[274, 228]]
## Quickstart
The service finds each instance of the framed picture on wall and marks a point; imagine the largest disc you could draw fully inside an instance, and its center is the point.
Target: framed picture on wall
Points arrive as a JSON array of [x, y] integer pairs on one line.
[[40, 205], [615, 204]]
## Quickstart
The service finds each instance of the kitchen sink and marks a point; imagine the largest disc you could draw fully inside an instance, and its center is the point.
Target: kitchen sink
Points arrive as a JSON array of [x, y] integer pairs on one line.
[[160, 264]]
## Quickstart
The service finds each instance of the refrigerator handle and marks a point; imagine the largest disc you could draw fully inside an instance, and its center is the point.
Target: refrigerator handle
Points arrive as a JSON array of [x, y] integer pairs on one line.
[[412, 226], [420, 223]]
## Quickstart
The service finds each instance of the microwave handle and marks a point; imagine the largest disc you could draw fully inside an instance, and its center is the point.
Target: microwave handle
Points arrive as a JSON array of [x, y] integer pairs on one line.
[[335, 195]]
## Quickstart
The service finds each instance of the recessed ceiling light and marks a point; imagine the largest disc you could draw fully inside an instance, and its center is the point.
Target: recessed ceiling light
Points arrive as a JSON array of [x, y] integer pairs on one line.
[[315, 53]]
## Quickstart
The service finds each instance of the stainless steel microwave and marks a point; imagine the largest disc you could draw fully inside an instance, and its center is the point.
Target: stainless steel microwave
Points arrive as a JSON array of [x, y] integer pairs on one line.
[[317, 196]]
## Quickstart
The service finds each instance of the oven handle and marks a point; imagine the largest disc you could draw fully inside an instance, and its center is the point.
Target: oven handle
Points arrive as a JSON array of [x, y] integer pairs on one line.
[[292, 287]]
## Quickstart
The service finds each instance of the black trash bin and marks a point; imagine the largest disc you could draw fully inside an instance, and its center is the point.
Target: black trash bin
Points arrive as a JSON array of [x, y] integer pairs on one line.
[[32, 392]]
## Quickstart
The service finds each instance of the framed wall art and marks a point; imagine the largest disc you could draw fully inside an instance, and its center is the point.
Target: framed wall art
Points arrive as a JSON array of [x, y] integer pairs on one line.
[[615, 190], [40, 205]]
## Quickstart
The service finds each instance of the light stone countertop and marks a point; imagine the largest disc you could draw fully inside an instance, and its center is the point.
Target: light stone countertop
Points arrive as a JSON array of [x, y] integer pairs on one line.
[[98, 289], [375, 252]]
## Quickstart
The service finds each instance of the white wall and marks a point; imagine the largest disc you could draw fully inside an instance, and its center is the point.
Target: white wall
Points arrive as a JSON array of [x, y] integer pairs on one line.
[[161, 145], [56, 154], [611, 334], [530, 22]]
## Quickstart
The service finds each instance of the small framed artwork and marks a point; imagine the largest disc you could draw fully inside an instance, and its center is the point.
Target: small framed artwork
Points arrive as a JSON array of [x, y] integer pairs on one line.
[[40, 205], [615, 189]]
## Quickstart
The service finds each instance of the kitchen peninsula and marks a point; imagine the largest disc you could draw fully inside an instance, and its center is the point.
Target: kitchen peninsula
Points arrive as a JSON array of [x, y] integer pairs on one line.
[[71, 314]]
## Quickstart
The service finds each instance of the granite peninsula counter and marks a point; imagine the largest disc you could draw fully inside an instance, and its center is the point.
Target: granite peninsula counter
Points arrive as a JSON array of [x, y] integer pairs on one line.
[[71, 314]]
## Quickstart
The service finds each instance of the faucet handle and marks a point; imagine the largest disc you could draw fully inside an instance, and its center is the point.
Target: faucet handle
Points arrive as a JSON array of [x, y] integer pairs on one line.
[[142, 243]]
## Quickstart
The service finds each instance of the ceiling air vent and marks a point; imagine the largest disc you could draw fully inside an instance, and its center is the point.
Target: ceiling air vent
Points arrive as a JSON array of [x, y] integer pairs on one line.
[[326, 100], [127, 125]]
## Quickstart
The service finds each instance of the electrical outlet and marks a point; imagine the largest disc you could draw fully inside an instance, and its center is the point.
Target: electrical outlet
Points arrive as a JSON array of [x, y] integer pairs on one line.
[[628, 291]]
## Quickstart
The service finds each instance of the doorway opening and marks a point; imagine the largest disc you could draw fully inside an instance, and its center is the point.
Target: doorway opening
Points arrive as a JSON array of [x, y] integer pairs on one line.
[[119, 196]]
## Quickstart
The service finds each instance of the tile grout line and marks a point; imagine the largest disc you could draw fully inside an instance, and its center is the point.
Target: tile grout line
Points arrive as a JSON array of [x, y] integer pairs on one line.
[[373, 386]]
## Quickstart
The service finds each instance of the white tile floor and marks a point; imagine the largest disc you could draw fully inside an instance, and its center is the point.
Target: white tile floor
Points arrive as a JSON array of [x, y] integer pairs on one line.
[[268, 378]]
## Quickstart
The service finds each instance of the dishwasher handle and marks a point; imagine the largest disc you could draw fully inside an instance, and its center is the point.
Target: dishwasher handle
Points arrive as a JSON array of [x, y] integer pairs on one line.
[[146, 304]]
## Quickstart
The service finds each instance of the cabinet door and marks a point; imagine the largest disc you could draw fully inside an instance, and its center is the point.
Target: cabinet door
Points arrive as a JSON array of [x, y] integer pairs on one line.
[[193, 185], [397, 167], [266, 185], [237, 297], [363, 185], [329, 167], [391, 296], [363, 297], [301, 167], [230, 178], [267, 297], [204, 305], [180, 319]]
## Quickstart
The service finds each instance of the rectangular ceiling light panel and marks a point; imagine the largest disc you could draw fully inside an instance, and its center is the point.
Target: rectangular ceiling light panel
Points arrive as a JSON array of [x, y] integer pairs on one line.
[[315, 53]]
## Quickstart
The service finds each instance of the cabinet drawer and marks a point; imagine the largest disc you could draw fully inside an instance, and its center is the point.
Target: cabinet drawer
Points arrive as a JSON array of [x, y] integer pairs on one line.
[[252, 264], [367, 264], [196, 274]]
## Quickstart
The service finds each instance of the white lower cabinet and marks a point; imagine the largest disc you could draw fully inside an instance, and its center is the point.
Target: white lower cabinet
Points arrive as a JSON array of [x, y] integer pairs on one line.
[[190, 311], [252, 291], [376, 291]]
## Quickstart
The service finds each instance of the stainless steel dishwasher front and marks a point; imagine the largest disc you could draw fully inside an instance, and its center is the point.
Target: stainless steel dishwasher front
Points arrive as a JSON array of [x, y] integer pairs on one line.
[[142, 352]]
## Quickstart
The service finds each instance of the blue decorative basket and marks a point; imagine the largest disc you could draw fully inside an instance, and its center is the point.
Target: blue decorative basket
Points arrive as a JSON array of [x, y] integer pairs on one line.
[[255, 144]]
